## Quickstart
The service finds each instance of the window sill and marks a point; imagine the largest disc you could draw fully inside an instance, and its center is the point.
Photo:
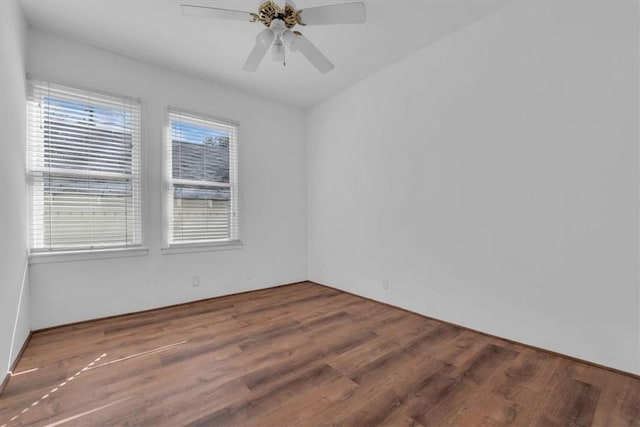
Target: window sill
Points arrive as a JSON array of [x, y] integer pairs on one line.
[[70, 256], [202, 247]]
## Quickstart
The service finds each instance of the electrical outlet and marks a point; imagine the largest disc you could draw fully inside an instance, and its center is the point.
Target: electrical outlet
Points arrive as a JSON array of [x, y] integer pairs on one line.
[[385, 284], [195, 282]]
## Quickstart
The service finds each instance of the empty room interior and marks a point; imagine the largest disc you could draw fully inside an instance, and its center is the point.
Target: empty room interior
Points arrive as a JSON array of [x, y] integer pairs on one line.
[[320, 213]]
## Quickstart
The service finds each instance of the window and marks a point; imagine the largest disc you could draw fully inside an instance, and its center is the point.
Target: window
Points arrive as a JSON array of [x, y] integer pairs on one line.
[[83, 163], [202, 194]]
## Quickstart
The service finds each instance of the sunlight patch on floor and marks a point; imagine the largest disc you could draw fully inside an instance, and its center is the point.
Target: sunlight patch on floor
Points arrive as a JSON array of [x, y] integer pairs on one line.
[[15, 374], [144, 353], [82, 414], [55, 389]]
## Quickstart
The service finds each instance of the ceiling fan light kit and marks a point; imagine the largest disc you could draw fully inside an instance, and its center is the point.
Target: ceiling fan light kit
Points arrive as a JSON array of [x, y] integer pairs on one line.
[[279, 21]]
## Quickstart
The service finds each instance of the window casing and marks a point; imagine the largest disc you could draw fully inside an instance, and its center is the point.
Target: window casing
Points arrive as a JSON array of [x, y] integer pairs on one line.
[[201, 201], [83, 164]]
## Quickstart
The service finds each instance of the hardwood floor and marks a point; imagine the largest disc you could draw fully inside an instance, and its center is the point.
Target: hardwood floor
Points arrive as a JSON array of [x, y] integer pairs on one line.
[[302, 355]]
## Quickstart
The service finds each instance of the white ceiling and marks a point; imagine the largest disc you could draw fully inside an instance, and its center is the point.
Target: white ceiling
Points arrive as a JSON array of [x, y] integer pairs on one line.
[[155, 31]]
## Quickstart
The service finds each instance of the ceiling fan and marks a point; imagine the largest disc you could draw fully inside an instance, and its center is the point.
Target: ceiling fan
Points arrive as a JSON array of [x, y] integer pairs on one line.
[[280, 19]]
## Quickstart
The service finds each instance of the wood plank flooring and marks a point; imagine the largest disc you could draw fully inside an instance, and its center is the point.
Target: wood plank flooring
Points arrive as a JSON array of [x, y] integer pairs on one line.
[[301, 355]]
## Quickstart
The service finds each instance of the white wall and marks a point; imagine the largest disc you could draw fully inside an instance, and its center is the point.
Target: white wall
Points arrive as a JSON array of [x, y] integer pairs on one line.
[[492, 178], [272, 178], [14, 316]]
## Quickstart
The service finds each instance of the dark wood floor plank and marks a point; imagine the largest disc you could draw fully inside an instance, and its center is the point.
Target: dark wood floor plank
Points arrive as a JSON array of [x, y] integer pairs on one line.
[[302, 355], [267, 401], [351, 361]]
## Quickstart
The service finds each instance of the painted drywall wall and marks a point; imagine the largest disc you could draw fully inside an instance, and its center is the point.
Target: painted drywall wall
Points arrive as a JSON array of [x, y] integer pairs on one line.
[[14, 289], [492, 179], [272, 198]]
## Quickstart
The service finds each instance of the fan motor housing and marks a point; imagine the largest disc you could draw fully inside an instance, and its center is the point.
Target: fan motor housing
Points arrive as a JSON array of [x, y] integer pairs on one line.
[[269, 11]]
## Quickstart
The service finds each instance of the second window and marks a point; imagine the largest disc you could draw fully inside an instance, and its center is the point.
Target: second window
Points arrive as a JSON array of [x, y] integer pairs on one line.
[[202, 194]]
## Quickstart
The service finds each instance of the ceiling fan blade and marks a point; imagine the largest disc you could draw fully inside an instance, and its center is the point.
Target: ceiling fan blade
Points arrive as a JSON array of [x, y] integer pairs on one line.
[[263, 41], [347, 13], [214, 12], [310, 52]]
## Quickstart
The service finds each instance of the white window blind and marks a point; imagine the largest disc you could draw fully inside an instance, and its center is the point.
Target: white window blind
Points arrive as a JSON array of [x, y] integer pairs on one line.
[[202, 194], [83, 161]]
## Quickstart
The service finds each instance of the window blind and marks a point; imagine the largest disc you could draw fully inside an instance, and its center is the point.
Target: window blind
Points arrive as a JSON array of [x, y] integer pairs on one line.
[[83, 162], [202, 196]]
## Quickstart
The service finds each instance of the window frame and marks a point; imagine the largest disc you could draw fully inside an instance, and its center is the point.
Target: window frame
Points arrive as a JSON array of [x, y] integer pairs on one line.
[[234, 242], [36, 143]]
